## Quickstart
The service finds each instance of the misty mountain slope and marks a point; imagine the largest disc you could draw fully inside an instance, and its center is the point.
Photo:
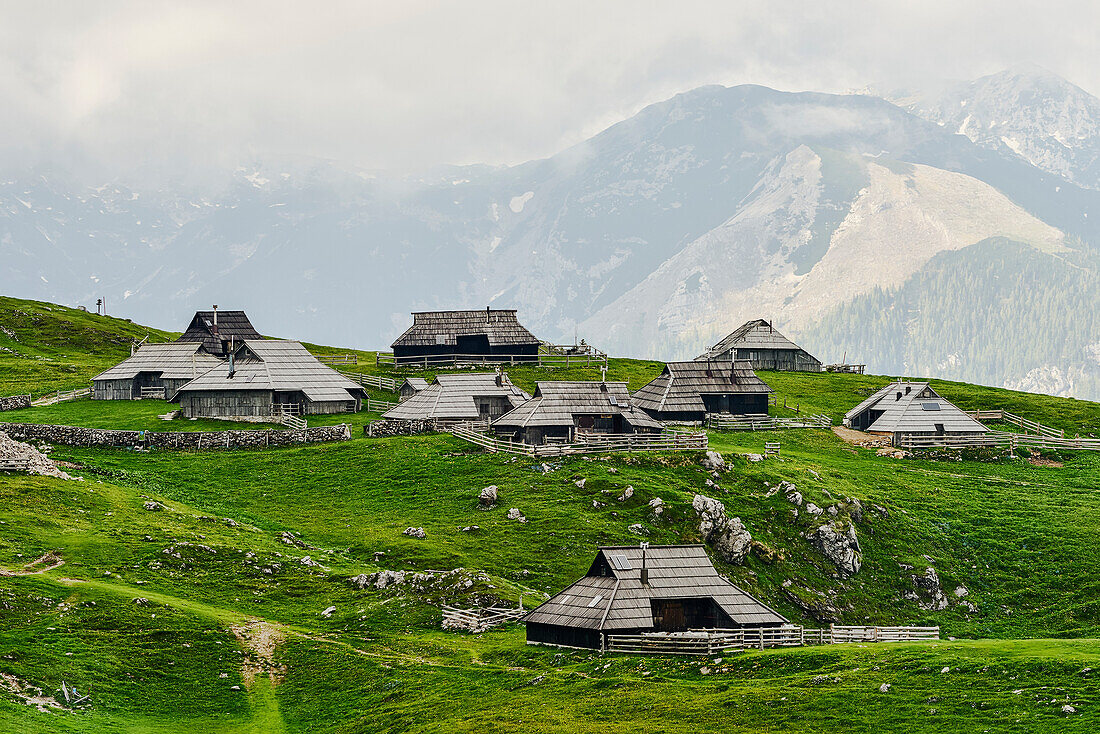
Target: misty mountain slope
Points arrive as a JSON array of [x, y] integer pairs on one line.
[[651, 238], [1036, 317], [1027, 110], [901, 218]]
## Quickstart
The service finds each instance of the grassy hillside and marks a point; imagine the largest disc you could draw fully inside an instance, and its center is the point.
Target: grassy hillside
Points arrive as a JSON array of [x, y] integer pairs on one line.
[[45, 347], [223, 563]]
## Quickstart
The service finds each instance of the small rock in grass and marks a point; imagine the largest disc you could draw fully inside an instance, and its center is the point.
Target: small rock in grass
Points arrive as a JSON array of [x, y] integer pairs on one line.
[[704, 670], [328, 612], [627, 494], [153, 506], [884, 688], [471, 529], [638, 529], [488, 496], [1067, 709], [580, 483], [515, 514], [415, 532]]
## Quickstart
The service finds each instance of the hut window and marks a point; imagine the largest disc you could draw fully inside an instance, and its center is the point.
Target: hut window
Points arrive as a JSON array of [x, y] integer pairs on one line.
[[595, 600], [930, 406]]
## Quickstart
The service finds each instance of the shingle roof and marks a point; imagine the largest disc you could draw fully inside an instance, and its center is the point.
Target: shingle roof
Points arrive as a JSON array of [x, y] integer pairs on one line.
[[232, 326], [555, 404], [755, 334], [431, 328], [622, 601], [283, 366], [174, 361], [918, 410], [451, 397], [680, 386], [416, 383]]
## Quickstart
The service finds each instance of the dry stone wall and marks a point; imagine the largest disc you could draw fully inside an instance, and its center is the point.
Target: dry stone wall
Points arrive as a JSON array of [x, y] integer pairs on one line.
[[15, 402], [174, 440], [398, 428]]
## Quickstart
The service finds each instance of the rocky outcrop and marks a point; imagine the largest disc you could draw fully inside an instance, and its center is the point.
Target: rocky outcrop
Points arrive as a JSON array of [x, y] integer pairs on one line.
[[714, 461], [839, 544], [727, 535], [177, 440], [27, 458], [927, 593]]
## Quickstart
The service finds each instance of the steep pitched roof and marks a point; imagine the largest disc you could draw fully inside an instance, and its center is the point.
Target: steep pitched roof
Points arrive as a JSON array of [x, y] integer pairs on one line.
[[681, 385], [232, 326], [431, 328], [174, 361], [918, 410], [555, 404], [621, 601], [282, 366], [756, 334], [451, 397]]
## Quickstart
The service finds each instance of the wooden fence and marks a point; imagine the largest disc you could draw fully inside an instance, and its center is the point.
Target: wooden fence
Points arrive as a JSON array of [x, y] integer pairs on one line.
[[154, 393], [479, 619], [997, 439], [376, 381], [726, 422], [378, 406], [713, 641], [550, 355], [841, 634], [1016, 420], [335, 359], [589, 444], [62, 396], [14, 464]]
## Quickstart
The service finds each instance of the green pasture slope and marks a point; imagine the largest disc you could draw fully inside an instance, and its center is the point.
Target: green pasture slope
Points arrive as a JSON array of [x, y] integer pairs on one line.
[[228, 549]]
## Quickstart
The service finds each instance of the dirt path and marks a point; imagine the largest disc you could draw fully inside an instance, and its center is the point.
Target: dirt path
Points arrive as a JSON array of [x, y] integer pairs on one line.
[[859, 438], [259, 640], [47, 562]]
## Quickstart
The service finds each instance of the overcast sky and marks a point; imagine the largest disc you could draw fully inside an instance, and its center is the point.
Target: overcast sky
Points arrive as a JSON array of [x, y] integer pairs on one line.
[[408, 84]]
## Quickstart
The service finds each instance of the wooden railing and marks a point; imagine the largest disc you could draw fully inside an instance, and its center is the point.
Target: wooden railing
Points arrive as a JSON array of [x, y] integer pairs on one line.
[[556, 356], [376, 381], [587, 444], [379, 406], [14, 464], [841, 634], [713, 641], [1017, 420], [727, 422], [997, 439], [335, 359], [479, 619], [62, 396]]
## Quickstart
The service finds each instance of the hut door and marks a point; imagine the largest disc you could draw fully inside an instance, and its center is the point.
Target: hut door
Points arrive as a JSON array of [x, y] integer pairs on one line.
[[473, 344], [668, 615]]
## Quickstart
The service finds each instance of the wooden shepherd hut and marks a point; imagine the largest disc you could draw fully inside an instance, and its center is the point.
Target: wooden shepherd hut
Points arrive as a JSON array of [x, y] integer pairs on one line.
[[686, 392], [153, 371], [219, 332], [411, 386], [764, 347], [461, 397], [263, 378], [631, 590], [448, 336], [560, 410], [911, 408]]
